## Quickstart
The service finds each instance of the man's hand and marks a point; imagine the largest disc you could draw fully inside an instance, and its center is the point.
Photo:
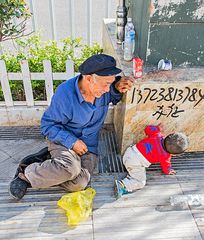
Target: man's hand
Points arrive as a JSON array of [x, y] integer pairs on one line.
[[80, 147], [172, 172], [124, 84]]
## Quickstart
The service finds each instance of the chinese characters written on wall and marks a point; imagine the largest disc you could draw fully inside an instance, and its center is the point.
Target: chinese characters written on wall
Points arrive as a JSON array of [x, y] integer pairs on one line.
[[172, 95]]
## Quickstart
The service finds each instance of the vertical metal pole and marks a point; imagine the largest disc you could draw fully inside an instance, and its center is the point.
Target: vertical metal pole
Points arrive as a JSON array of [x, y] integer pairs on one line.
[[106, 13], [52, 17], [121, 20], [33, 15], [72, 18], [109, 8], [89, 27]]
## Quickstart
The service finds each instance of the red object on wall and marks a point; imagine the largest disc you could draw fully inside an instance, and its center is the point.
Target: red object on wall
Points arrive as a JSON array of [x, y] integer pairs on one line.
[[137, 67]]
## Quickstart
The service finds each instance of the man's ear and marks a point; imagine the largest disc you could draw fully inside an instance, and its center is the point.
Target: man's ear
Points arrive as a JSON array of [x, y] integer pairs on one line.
[[89, 78]]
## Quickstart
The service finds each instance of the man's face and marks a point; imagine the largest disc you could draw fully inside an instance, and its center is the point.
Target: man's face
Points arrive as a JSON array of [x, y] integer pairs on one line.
[[100, 84]]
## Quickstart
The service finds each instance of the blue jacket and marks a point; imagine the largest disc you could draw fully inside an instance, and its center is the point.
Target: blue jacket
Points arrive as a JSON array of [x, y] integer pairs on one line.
[[69, 117]]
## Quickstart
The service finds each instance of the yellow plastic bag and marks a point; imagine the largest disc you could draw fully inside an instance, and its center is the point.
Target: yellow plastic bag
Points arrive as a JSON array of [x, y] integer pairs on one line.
[[78, 205]]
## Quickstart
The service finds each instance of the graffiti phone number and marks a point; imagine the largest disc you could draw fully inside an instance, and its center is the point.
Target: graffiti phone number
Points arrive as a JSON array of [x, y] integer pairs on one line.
[[169, 94]]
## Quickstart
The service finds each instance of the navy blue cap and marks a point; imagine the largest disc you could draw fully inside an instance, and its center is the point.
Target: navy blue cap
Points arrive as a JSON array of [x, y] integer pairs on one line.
[[100, 64]]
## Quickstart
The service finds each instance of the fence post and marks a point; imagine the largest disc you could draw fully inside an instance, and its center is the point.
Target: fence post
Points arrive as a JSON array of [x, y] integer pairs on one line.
[[48, 80], [27, 83], [5, 84], [70, 68]]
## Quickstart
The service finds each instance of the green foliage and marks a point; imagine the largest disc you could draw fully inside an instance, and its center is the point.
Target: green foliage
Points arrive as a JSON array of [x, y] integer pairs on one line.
[[35, 51], [13, 16]]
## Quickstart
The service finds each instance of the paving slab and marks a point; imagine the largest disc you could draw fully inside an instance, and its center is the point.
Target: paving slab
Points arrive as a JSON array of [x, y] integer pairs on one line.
[[135, 216]]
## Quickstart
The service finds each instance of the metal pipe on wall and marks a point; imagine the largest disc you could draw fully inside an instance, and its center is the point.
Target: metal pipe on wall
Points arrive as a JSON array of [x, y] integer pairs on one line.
[[121, 21]]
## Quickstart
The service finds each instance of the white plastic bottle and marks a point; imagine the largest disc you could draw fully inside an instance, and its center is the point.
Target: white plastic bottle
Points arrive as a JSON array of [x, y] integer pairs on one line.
[[129, 43]]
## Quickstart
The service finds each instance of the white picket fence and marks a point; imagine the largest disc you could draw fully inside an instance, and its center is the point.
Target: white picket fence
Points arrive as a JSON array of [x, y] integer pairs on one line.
[[26, 76], [29, 112]]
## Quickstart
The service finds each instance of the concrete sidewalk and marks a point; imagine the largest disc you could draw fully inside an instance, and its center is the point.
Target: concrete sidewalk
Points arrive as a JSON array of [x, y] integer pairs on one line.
[[145, 214]]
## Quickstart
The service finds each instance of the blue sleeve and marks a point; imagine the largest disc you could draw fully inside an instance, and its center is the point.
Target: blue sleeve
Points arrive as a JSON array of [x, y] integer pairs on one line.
[[53, 120], [114, 95]]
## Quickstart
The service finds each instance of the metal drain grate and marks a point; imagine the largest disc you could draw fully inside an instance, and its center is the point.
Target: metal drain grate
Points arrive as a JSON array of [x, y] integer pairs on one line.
[[13, 133], [109, 157], [185, 161]]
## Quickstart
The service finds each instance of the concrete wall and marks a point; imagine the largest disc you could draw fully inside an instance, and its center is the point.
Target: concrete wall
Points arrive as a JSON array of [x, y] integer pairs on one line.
[[173, 98], [172, 29]]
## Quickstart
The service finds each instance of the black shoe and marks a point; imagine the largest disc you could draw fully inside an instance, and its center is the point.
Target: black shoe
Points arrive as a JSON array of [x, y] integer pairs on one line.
[[18, 188], [40, 156]]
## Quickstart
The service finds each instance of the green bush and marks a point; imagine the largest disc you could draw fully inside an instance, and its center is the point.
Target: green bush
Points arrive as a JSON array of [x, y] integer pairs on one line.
[[35, 51], [10, 11]]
